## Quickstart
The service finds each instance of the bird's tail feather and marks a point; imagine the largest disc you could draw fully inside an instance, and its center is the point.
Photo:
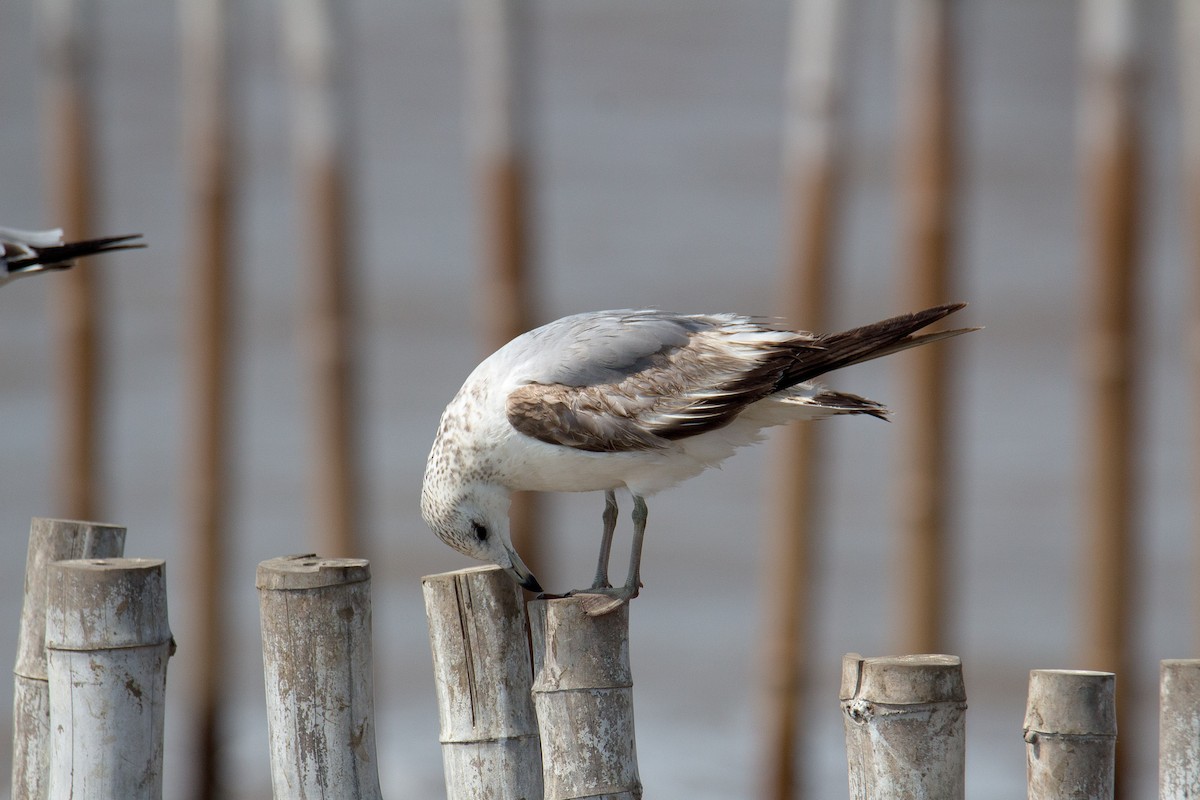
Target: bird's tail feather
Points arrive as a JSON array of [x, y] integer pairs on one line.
[[837, 350]]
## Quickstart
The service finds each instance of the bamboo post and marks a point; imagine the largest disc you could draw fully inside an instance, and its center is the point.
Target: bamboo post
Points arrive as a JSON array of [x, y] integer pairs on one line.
[[107, 645], [496, 38], [1108, 141], [67, 29], [316, 629], [583, 693], [482, 672], [810, 192], [927, 150], [905, 719], [317, 43], [1179, 729], [50, 540], [208, 151], [1188, 14], [1070, 734]]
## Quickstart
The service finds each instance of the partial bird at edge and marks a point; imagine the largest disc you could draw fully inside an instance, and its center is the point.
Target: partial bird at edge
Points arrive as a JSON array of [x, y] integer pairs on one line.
[[24, 253]]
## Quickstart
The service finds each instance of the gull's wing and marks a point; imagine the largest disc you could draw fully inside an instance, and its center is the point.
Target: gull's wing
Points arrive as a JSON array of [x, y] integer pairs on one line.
[[26, 252], [635, 380]]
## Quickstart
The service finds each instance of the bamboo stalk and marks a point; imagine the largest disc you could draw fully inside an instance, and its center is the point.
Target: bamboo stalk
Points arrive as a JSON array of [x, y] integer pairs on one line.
[[479, 637], [50, 540], [1178, 727], [317, 39], [583, 693], [1108, 142], [107, 645], [905, 719], [811, 181], [316, 629], [1070, 734], [208, 151], [1188, 14], [927, 150], [68, 43], [496, 37]]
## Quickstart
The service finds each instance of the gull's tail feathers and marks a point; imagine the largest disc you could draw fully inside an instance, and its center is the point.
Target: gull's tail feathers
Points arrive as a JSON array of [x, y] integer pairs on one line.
[[836, 350]]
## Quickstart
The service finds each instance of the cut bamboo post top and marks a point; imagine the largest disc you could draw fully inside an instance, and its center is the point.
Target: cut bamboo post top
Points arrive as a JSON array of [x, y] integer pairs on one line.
[[483, 678], [106, 604], [316, 630], [904, 718], [1071, 702], [583, 693], [107, 645], [308, 571], [903, 680]]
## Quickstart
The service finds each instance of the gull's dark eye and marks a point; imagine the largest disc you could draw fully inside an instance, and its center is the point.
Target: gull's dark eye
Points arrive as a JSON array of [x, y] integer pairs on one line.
[[481, 531]]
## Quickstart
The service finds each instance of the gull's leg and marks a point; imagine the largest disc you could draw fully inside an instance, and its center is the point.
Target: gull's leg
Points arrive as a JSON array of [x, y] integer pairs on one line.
[[610, 525], [633, 583], [598, 601]]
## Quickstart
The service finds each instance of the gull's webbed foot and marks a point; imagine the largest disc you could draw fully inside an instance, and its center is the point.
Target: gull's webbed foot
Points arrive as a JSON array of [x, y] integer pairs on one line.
[[598, 601]]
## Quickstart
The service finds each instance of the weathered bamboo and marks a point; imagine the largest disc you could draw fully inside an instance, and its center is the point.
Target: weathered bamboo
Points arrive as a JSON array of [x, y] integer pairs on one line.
[[210, 165], [1109, 148], [316, 629], [810, 204], [498, 65], [1179, 729], [67, 29], [107, 645], [583, 693], [905, 720], [1188, 13], [318, 44], [1070, 734], [927, 152], [50, 540], [483, 676]]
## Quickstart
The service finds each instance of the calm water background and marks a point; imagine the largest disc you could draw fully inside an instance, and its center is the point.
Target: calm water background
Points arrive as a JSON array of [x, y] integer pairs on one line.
[[659, 132]]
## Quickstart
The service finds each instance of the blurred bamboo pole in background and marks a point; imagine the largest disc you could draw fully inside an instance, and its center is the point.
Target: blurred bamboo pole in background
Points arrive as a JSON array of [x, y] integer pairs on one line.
[[68, 35], [927, 152], [208, 143], [317, 43], [1108, 143], [810, 192], [1188, 14], [497, 38]]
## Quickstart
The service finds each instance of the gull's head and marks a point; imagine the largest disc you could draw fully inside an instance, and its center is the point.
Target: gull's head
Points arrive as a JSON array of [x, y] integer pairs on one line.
[[473, 520]]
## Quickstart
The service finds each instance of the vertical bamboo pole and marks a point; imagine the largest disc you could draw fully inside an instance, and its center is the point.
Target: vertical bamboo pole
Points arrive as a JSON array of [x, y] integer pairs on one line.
[[1108, 142], [583, 693], [316, 629], [905, 719], [50, 540], [927, 152], [496, 37], [479, 637], [810, 202], [1188, 13], [1070, 734], [318, 42], [1179, 729], [68, 33], [107, 645], [210, 166]]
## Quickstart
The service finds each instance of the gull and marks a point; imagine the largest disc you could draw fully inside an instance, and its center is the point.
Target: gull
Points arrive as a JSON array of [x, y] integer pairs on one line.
[[635, 399], [29, 252]]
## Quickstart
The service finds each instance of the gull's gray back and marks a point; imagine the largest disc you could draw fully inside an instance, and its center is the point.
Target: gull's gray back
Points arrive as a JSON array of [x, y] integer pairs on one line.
[[600, 347]]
